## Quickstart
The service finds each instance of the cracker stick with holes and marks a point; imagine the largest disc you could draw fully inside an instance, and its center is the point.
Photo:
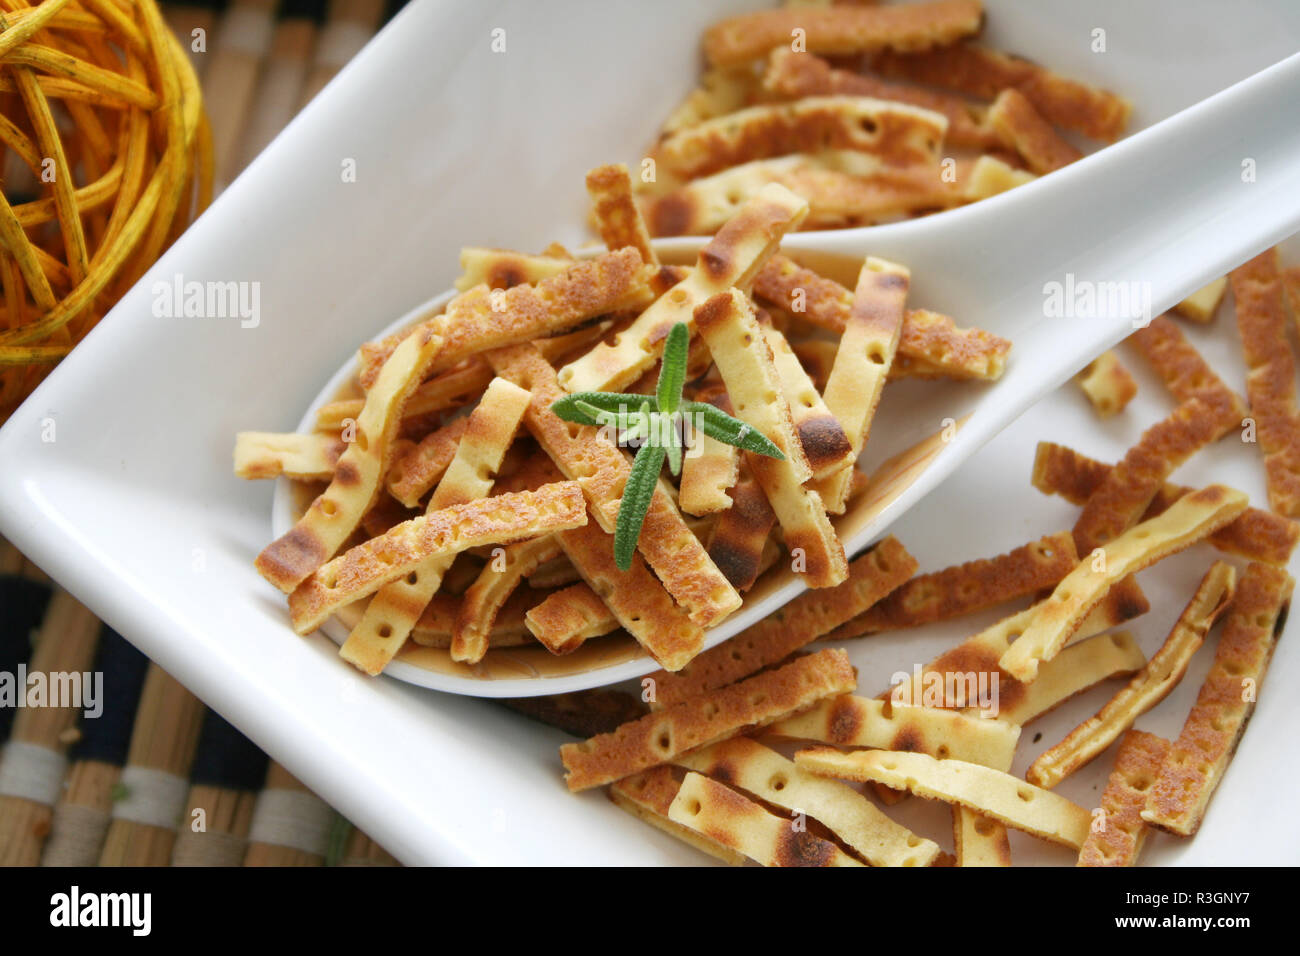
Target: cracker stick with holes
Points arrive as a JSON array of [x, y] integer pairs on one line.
[[966, 588], [721, 813], [567, 618], [397, 606], [843, 29], [505, 268], [301, 457], [1270, 377], [741, 534], [731, 258], [979, 840], [1202, 304], [1185, 373], [1256, 535], [618, 218], [487, 595], [1081, 665], [1023, 129], [821, 436], [366, 568], [1108, 384], [1190, 519], [483, 318], [979, 71], [722, 90], [665, 735], [448, 389], [585, 455], [735, 338], [992, 793], [419, 466], [437, 624], [1118, 841], [862, 364], [1147, 688], [711, 467], [748, 765], [1198, 759], [648, 796], [790, 627]]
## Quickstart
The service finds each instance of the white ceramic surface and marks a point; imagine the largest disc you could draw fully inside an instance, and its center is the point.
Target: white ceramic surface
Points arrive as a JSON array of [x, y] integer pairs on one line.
[[134, 509]]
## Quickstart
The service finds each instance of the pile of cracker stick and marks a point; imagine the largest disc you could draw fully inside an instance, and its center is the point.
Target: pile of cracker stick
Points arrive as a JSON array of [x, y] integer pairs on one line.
[[872, 112]]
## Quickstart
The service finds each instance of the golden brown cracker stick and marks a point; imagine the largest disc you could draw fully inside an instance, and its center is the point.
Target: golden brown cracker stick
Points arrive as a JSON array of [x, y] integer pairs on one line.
[[505, 268], [1082, 664], [969, 587], [1190, 519], [722, 90], [1202, 305], [663, 736], [328, 522], [449, 389], [397, 606], [618, 218], [1198, 759], [979, 71], [1107, 383], [793, 76], [1023, 129], [1118, 839], [842, 29], [583, 454], [821, 436], [648, 796], [555, 573], [366, 568], [482, 318], [569, 617], [487, 596], [1185, 373], [866, 352], [990, 176], [438, 622], [979, 840], [710, 468], [741, 533], [1270, 377], [995, 794], [791, 627], [1256, 535], [747, 765], [708, 807], [301, 457], [732, 258], [418, 467], [1147, 688]]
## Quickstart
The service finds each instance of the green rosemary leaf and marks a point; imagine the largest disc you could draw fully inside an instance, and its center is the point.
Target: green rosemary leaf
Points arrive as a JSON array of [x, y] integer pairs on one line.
[[569, 407], [637, 494], [718, 424], [672, 370], [674, 448]]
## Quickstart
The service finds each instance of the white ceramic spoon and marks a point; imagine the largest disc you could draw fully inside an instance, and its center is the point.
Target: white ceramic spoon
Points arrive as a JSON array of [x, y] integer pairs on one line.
[[1163, 212]]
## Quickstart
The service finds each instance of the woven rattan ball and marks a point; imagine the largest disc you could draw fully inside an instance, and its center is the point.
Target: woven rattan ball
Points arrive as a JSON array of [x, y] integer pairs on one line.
[[107, 158]]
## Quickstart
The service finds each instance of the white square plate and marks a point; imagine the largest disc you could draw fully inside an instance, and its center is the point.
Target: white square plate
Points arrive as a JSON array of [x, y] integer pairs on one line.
[[133, 506]]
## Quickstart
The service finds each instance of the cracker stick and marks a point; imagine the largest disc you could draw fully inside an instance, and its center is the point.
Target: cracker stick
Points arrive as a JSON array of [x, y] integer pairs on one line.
[[1082, 664], [569, 617], [1198, 759], [979, 71], [481, 319], [821, 436], [418, 467], [862, 363], [793, 76], [397, 606], [1256, 535], [927, 337], [1185, 373], [618, 218], [734, 336], [287, 561], [990, 176], [663, 736], [1190, 519], [1023, 129], [366, 568], [789, 628], [711, 468], [967, 588], [437, 624], [448, 389], [835, 30], [1126, 492], [584, 454], [1270, 377], [1202, 304], [1147, 688], [1119, 839], [302, 457], [741, 533], [723, 90], [505, 268], [995, 794], [747, 765], [1107, 383], [851, 721], [635, 597], [732, 258], [487, 596], [979, 840], [556, 573], [648, 796], [708, 807]]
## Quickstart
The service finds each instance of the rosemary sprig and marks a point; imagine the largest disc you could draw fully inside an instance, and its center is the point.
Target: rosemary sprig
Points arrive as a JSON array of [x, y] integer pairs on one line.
[[656, 425]]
